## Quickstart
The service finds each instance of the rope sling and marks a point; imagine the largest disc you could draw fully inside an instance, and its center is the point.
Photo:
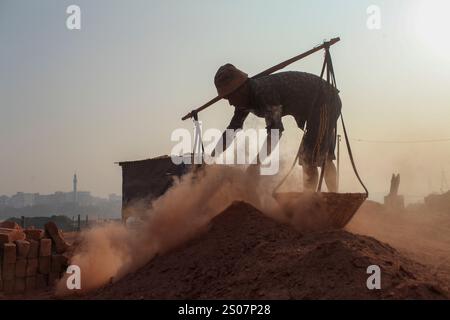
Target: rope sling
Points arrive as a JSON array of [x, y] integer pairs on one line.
[[323, 129]]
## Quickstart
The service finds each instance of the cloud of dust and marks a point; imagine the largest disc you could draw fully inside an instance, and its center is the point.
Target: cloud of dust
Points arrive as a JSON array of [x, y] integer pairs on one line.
[[422, 234], [113, 250]]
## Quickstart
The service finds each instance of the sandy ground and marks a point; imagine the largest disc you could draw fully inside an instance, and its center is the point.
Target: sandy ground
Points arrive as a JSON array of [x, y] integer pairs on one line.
[[245, 255], [421, 235]]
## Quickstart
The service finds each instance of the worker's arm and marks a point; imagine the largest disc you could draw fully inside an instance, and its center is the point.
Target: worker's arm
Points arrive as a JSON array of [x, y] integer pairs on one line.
[[236, 123], [273, 117]]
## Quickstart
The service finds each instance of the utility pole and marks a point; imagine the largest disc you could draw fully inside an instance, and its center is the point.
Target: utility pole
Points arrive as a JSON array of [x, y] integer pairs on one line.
[[338, 161]]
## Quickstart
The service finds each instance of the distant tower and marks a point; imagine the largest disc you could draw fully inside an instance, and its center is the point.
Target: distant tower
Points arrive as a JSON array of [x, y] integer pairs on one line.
[[75, 181]]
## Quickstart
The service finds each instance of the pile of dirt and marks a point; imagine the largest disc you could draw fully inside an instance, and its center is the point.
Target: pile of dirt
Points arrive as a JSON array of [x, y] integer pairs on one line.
[[245, 255]]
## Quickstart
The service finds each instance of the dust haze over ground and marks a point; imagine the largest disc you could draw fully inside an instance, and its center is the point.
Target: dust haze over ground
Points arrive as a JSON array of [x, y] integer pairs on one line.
[[246, 255], [113, 250], [110, 252], [422, 235]]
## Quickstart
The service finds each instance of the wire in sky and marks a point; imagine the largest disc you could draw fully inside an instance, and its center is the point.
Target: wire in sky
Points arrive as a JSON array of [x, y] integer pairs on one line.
[[403, 141]]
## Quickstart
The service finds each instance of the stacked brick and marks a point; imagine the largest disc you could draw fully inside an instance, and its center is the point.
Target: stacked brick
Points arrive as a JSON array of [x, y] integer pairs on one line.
[[30, 259]]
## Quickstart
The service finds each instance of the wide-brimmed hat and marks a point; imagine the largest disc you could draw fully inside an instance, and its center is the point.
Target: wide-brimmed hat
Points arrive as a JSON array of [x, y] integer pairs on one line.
[[228, 79]]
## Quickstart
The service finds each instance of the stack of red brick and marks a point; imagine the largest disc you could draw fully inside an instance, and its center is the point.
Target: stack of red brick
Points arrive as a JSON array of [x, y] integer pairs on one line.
[[31, 259]]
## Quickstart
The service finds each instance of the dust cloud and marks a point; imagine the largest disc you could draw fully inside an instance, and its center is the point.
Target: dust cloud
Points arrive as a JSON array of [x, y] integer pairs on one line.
[[108, 252], [421, 234]]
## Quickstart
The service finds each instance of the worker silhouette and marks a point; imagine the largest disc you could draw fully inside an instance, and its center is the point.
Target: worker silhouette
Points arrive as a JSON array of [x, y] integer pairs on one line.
[[314, 104]]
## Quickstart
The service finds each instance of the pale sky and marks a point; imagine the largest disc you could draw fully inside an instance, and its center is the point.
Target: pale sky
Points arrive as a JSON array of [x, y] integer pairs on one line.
[[115, 90]]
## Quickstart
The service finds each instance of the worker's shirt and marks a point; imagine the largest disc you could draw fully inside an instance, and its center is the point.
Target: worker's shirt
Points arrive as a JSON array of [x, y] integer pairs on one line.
[[277, 95]]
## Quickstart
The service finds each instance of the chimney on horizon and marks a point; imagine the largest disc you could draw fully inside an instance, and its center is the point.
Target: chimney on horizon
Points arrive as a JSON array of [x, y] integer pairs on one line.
[[75, 181]]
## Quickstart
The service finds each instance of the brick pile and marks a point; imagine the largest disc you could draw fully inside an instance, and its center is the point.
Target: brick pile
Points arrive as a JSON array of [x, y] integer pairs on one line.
[[31, 259]]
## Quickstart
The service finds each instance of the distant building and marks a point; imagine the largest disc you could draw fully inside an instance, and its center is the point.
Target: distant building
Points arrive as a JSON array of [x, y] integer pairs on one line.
[[114, 197], [41, 199], [4, 201], [21, 200], [82, 198], [439, 202]]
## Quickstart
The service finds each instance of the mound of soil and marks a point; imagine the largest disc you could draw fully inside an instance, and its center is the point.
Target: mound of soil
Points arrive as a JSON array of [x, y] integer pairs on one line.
[[246, 255]]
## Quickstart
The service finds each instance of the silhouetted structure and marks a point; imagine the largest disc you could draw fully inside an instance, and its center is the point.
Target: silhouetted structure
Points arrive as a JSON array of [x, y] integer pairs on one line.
[[393, 200], [439, 202], [75, 195], [146, 180]]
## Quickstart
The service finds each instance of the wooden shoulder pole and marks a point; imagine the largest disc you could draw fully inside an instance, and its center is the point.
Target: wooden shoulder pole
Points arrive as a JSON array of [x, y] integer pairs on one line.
[[269, 71]]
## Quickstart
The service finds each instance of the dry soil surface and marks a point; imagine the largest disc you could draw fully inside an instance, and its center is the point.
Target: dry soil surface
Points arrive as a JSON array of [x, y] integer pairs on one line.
[[246, 255]]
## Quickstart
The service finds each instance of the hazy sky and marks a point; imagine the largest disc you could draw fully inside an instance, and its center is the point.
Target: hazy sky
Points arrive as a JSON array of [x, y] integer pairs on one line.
[[116, 89]]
